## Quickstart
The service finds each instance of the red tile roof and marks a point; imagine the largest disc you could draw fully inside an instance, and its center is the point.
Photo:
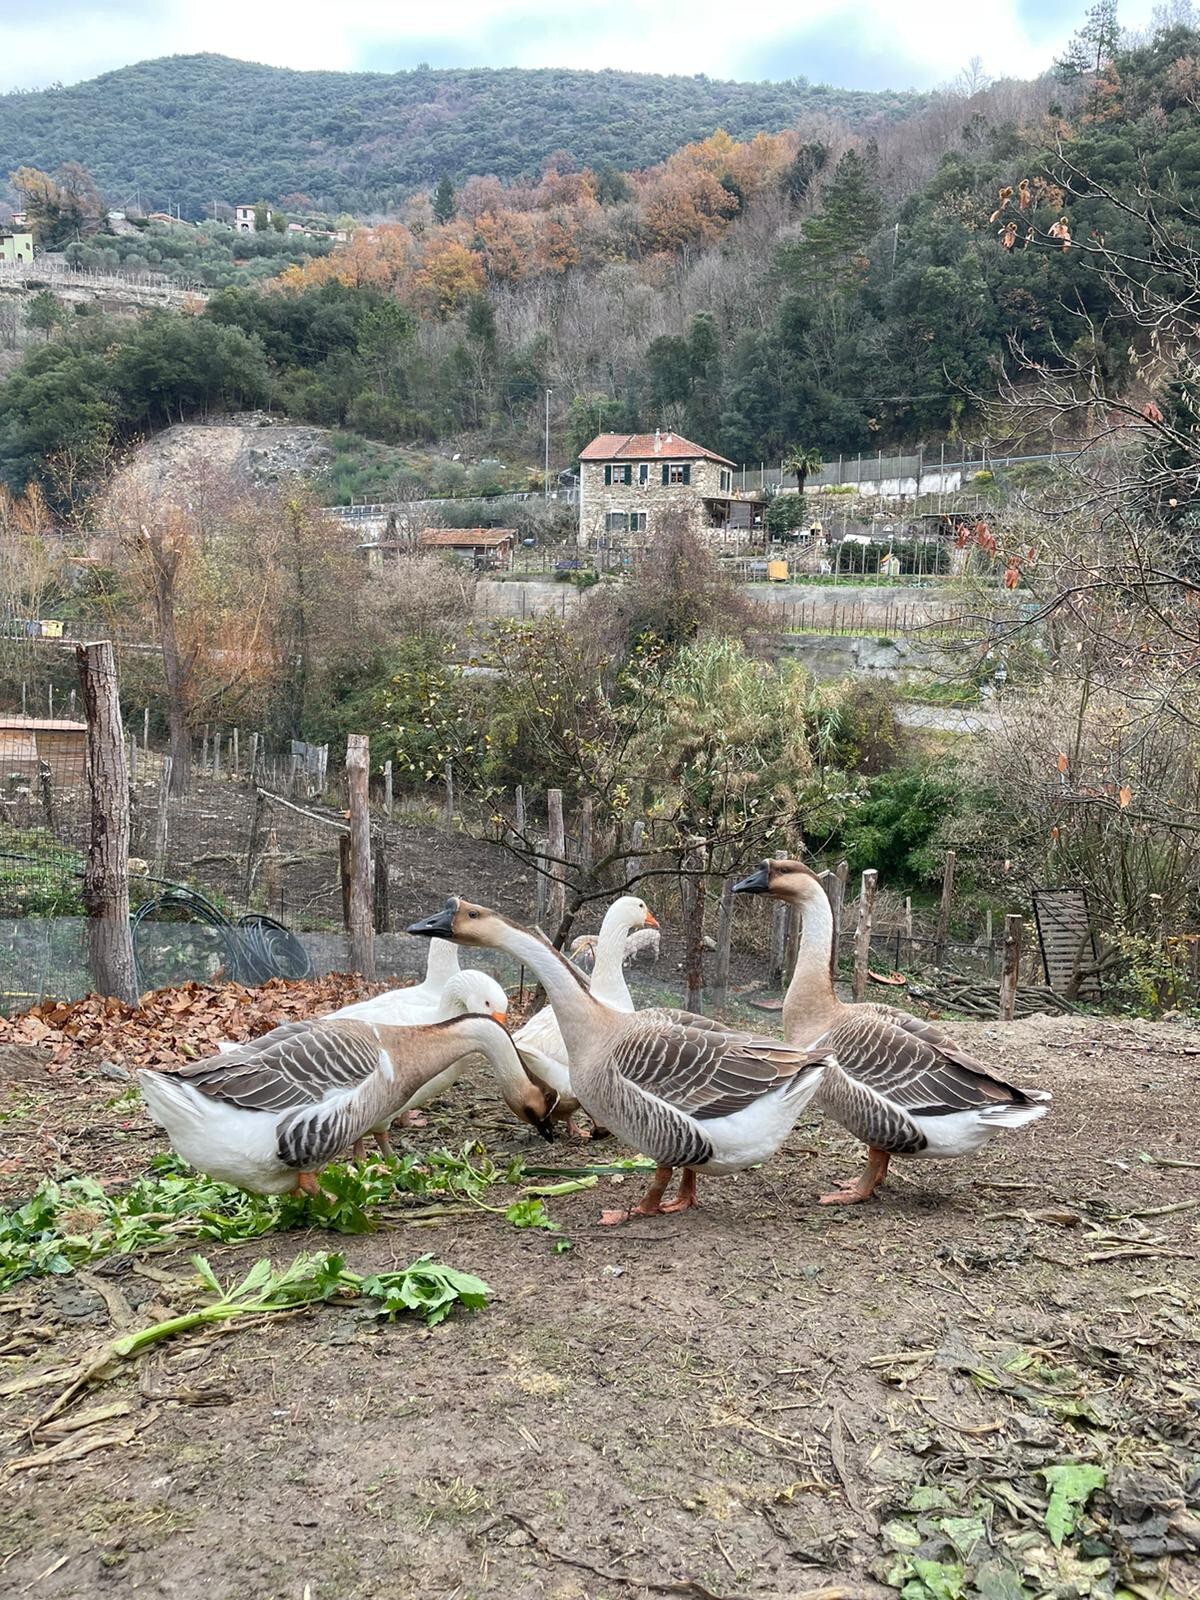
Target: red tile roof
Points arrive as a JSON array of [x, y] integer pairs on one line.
[[641, 447], [457, 538]]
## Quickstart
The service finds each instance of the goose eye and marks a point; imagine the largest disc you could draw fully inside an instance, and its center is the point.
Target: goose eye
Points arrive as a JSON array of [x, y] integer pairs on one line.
[[471, 915]]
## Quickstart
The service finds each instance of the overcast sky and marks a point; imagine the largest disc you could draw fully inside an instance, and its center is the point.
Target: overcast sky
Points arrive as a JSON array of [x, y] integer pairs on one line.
[[868, 44]]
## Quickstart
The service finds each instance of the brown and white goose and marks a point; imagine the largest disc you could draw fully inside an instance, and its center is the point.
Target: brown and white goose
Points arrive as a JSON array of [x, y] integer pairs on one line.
[[684, 1089], [271, 1114], [900, 1085]]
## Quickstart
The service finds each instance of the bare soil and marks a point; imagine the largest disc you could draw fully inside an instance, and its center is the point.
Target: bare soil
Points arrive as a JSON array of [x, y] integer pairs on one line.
[[762, 1397]]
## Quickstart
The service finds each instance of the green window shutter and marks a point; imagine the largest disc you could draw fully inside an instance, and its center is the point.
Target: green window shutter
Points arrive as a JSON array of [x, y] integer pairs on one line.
[[687, 473], [628, 474], [666, 473], [608, 475]]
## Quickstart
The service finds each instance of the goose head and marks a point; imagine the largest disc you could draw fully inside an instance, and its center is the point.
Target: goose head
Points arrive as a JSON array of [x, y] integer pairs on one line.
[[462, 922], [786, 880], [631, 913], [474, 991]]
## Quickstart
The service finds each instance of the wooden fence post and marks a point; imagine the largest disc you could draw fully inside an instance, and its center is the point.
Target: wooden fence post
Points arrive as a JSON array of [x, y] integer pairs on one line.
[[145, 726], [586, 830], [216, 749], [720, 984], [383, 916], [362, 921], [943, 922], [1013, 927], [344, 877], [161, 818], [387, 790], [106, 873], [519, 811], [556, 849], [862, 933], [254, 758], [449, 794], [842, 874], [133, 758], [237, 763], [692, 900], [204, 749]]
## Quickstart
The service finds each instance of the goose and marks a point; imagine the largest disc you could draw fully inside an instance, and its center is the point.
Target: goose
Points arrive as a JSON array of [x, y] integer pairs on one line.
[[685, 1089], [471, 991], [900, 1085], [269, 1116], [622, 919]]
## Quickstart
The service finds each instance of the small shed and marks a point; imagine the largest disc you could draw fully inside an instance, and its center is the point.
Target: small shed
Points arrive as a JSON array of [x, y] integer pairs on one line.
[[483, 547], [25, 742]]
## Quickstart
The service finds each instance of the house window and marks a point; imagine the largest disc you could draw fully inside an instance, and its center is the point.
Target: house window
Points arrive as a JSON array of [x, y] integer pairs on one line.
[[726, 480], [644, 474], [616, 522], [616, 473], [637, 522], [677, 472]]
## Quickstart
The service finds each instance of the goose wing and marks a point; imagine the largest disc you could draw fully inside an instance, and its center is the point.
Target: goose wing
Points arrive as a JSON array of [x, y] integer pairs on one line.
[[927, 1031], [297, 1065], [703, 1069], [899, 1065]]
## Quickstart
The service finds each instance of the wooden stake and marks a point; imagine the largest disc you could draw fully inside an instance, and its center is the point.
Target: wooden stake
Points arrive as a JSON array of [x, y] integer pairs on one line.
[[216, 753], [344, 877], [449, 794], [519, 811], [161, 817], [237, 760], [586, 827], [133, 761], [383, 919], [1013, 927], [943, 922], [862, 933], [556, 849], [254, 758], [720, 983], [106, 872], [387, 789], [362, 921], [146, 728], [837, 904]]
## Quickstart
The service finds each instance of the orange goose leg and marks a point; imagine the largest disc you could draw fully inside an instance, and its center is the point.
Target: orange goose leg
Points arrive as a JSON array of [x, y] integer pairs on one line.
[[306, 1183], [852, 1191], [686, 1198], [648, 1206]]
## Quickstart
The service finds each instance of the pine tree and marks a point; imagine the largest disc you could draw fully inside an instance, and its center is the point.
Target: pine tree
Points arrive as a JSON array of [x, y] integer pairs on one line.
[[443, 200], [1092, 47], [850, 215]]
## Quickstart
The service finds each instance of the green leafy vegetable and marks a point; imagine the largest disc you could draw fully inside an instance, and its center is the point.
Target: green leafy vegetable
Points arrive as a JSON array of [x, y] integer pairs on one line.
[[426, 1287], [1071, 1485]]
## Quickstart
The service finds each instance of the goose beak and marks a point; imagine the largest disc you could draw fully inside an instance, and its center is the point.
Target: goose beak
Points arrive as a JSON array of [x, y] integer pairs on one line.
[[546, 1128], [438, 926], [757, 883], [651, 921], [497, 1016]]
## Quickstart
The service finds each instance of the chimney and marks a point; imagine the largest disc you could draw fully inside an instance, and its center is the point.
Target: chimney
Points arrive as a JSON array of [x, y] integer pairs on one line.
[[657, 442]]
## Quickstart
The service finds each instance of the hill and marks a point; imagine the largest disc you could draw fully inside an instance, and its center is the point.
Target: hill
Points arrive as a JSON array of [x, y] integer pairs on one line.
[[187, 129]]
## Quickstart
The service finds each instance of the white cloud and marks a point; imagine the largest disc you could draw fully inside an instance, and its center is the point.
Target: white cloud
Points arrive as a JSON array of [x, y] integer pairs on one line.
[[925, 42]]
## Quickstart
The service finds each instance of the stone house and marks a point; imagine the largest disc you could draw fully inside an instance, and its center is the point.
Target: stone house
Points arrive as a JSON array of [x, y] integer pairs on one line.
[[16, 244], [629, 481], [244, 220]]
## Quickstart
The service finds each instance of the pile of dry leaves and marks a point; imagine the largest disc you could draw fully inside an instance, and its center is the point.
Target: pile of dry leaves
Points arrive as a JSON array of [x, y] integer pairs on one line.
[[186, 1023]]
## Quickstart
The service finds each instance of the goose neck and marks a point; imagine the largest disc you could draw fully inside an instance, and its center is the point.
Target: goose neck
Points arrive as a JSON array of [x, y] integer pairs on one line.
[[810, 992], [576, 1010]]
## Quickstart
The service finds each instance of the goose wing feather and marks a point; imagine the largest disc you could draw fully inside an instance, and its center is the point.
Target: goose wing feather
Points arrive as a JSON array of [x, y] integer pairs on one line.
[[899, 1066], [701, 1068], [927, 1031], [297, 1065]]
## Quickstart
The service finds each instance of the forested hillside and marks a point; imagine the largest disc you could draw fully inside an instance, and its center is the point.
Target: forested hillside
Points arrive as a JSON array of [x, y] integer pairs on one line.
[[188, 129], [817, 286]]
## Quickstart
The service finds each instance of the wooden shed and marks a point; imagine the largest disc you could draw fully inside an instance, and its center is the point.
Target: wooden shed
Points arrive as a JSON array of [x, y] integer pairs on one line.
[[25, 742]]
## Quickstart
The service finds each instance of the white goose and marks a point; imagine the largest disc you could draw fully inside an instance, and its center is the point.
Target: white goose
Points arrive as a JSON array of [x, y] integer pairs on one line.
[[685, 1089], [900, 1085], [542, 1032], [270, 1115]]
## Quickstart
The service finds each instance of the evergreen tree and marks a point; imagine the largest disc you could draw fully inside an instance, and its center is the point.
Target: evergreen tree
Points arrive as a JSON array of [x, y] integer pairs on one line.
[[443, 200], [850, 215]]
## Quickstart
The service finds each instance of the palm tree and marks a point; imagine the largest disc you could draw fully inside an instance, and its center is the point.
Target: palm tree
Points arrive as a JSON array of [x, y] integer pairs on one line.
[[802, 461]]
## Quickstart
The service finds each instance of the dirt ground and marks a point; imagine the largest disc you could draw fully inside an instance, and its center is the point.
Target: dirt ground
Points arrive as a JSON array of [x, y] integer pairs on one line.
[[762, 1397]]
